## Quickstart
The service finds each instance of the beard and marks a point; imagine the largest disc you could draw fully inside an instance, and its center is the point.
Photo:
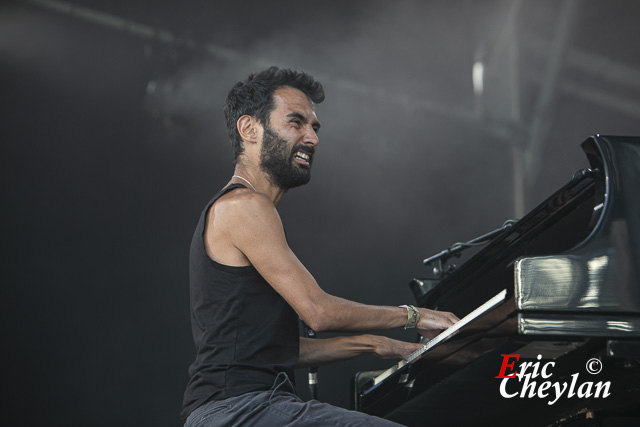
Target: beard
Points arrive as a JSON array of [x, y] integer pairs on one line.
[[276, 159]]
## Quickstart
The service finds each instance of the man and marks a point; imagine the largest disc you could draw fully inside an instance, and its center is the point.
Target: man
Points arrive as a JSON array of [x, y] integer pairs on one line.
[[248, 288]]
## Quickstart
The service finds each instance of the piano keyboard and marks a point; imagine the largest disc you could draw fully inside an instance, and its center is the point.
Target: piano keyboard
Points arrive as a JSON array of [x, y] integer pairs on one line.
[[484, 308]]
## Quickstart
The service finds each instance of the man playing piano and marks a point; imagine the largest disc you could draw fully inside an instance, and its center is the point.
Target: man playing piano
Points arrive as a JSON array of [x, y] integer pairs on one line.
[[248, 288]]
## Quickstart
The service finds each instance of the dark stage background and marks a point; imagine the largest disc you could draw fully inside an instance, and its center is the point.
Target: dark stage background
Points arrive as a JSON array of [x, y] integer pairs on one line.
[[113, 139]]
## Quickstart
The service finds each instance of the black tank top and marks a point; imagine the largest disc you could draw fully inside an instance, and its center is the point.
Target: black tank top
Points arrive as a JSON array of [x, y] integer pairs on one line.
[[245, 333]]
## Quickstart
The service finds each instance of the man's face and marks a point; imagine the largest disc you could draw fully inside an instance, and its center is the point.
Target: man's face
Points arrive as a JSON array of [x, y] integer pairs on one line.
[[289, 139]]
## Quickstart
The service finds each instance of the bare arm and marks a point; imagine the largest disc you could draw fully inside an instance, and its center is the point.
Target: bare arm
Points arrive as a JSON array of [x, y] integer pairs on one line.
[[252, 225], [318, 352]]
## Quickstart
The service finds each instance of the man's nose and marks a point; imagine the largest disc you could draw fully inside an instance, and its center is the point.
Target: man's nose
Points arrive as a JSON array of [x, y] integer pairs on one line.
[[311, 138]]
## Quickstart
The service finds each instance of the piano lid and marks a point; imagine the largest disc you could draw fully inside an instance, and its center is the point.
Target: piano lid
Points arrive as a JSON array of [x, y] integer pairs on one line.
[[559, 223], [601, 274]]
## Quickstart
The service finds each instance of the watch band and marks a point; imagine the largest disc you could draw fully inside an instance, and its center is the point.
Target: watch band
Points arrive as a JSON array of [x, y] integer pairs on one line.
[[413, 316]]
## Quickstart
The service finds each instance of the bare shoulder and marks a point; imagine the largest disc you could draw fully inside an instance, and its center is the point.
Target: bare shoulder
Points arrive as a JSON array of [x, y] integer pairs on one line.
[[244, 209], [244, 202], [239, 221]]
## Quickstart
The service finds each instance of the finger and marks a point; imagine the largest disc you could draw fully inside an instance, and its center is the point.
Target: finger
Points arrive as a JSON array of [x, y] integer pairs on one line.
[[447, 320], [430, 333], [453, 317], [450, 318], [410, 350]]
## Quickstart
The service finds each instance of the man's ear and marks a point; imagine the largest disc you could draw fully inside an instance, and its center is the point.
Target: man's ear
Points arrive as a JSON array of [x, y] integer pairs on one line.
[[249, 128]]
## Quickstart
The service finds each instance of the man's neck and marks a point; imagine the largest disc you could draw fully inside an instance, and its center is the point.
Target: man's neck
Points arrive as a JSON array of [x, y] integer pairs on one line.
[[259, 180]]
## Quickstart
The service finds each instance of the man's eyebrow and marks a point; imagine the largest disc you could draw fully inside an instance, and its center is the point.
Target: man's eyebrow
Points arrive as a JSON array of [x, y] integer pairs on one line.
[[297, 115]]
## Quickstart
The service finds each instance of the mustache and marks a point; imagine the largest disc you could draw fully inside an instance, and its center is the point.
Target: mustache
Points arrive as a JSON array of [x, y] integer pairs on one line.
[[305, 148]]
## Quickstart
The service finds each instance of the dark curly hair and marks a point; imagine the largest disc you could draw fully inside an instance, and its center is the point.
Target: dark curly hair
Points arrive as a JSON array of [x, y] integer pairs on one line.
[[254, 97]]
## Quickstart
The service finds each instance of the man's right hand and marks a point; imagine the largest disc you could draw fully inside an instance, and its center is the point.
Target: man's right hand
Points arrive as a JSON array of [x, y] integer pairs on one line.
[[433, 322]]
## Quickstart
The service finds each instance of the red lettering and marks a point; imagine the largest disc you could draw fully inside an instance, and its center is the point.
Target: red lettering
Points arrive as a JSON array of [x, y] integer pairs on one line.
[[506, 364]]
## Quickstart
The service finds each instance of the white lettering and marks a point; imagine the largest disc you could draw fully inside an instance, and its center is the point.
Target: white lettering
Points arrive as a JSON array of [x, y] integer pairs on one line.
[[503, 389], [600, 386], [531, 386], [559, 392], [535, 367], [544, 369], [587, 392], [543, 387], [574, 379], [523, 370]]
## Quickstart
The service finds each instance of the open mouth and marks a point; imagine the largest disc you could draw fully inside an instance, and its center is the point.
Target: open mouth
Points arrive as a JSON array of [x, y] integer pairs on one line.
[[302, 158]]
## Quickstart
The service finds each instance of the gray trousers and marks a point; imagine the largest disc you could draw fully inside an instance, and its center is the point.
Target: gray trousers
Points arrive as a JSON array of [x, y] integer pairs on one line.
[[277, 407]]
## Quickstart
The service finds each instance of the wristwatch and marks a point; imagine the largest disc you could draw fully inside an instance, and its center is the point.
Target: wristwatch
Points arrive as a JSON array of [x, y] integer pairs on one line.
[[413, 316]]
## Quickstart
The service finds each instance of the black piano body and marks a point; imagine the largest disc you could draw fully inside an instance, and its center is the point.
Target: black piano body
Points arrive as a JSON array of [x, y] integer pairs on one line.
[[571, 271]]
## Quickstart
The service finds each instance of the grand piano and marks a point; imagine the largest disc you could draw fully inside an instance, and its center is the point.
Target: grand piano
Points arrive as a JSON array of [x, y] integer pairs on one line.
[[560, 288]]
